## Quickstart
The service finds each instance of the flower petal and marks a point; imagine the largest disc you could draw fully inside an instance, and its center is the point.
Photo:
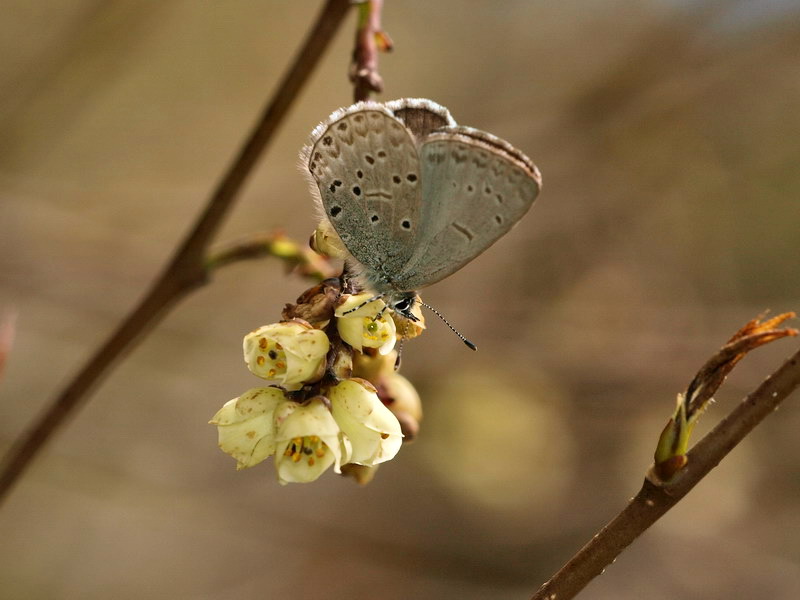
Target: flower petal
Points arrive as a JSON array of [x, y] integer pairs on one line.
[[371, 427], [245, 426], [292, 353], [308, 441]]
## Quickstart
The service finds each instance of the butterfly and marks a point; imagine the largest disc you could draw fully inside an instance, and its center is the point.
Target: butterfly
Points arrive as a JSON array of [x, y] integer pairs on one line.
[[412, 195]]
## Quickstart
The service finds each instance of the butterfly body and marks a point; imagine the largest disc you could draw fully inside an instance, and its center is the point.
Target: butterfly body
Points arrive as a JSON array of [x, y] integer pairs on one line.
[[412, 195]]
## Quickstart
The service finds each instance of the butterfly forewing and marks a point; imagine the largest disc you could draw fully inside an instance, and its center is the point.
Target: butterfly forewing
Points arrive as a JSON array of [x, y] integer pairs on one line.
[[366, 167]]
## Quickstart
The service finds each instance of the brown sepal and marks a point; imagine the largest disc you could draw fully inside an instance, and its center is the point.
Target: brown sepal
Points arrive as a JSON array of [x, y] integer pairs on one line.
[[316, 305]]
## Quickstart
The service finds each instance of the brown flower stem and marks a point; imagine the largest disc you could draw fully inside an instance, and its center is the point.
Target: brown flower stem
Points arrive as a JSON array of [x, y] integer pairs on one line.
[[656, 498], [370, 38], [297, 258], [187, 270]]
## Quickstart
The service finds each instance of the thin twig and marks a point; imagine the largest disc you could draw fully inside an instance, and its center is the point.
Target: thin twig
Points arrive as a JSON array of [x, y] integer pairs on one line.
[[302, 260], [656, 498], [370, 38], [186, 271]]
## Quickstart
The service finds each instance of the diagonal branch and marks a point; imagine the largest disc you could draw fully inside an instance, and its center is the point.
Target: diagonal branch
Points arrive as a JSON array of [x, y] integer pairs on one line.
[[187, 270], [656, 497]]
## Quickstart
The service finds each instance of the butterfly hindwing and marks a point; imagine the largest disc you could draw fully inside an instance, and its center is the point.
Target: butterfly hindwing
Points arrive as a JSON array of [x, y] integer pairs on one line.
[[475, 188]]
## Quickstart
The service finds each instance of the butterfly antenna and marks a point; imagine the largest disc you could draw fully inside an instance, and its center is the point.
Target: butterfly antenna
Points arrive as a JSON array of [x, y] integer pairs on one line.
[[469, 344], [399, 354], [364, 303]]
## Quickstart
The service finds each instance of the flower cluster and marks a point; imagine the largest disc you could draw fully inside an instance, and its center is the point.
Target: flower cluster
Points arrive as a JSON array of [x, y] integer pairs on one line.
[[337, 399]]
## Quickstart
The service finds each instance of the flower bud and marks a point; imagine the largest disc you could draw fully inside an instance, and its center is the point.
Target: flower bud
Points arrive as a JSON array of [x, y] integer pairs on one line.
[[326, 242], [374, 367], [399, 395], [292, 353]]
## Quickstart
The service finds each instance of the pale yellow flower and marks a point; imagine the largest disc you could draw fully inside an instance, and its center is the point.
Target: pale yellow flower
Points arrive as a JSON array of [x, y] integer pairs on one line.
[[291, 353], [245, 425], [372, 429], [362, 328], [308, 441]]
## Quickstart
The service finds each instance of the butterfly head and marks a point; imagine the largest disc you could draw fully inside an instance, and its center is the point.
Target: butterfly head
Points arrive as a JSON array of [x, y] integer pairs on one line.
[[402, 303]]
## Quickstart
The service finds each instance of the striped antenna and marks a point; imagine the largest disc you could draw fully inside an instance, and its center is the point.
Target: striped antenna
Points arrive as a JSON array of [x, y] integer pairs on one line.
[[469, 344]]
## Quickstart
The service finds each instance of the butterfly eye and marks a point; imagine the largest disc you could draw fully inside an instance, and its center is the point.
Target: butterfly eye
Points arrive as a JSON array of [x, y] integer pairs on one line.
[[404, 307]]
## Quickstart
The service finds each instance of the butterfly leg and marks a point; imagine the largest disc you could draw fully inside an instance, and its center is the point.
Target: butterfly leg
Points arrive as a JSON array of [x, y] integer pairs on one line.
[[380, 314]]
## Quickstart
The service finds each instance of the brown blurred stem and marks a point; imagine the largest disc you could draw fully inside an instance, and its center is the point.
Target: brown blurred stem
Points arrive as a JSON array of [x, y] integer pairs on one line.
[[656, 497], [8, 318], [187, 269], [370, 38]]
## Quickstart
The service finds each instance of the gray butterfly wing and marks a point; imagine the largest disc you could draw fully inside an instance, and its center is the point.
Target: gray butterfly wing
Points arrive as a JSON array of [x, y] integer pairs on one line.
[[475, 188], [364, 162]]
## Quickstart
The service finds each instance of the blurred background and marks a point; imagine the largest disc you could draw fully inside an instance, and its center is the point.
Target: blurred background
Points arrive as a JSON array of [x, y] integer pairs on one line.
[[668, 135]]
